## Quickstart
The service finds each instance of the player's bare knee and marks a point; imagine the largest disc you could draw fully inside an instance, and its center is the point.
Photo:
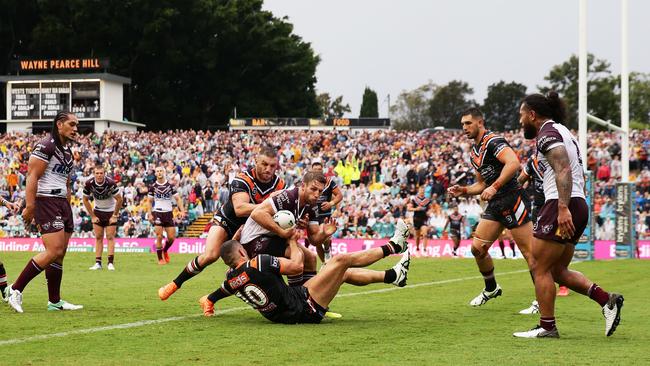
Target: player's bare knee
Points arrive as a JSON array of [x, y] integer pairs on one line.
[[478, 252]]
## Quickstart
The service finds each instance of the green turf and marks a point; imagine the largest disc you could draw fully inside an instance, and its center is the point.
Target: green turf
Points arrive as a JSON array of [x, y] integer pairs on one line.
[[426, 325]]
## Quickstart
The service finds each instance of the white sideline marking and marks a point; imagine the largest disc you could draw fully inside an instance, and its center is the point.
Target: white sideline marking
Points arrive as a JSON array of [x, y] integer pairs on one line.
[[142, 323]]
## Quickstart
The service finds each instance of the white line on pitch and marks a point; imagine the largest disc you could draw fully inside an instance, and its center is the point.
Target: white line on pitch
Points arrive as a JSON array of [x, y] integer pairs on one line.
[[142, 323]]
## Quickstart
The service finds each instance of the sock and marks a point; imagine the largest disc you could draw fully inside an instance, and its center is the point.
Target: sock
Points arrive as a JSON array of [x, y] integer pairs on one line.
[[168, 244], [502, 245], [295, 280], [490, 281], [110, 259], [217, 295], [30, 271], [3, 278], [598, 294], [547, 323], [306, 276], [390, 276], [159, 253], [191, 269], [391, 248], [98, 260], [512, 246], [54, 274]]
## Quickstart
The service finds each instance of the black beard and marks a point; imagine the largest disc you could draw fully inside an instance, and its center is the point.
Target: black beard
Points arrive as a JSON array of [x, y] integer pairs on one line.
[[530, 132]]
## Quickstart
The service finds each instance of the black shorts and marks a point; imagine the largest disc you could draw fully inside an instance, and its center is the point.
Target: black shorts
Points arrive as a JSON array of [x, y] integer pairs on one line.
[[419, 221], [546, 225], [272, 245], [230, 227], [301, 308], [53, 214], [104, 218], [511, 210], [454, 234], [164, 219]]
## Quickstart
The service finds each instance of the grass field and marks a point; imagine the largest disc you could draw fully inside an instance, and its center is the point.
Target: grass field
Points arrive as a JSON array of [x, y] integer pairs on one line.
[[425, 323]]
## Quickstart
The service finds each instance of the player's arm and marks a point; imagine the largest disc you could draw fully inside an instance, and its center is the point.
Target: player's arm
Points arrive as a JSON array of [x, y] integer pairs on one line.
[[263, 215], [35, 170], [510, 163], [89, 208], [558, 159], [119, 199], [337, 197], [294, 265], [68, 193], [523, 177], [221, 293], [179, 204], [242, 205], [471, 190]]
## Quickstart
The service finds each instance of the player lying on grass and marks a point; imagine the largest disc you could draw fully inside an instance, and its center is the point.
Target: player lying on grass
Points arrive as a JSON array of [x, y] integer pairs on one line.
[[258, 281]]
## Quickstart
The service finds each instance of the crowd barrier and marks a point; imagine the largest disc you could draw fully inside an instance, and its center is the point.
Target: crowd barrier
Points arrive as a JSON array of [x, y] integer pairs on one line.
[[603, 249]]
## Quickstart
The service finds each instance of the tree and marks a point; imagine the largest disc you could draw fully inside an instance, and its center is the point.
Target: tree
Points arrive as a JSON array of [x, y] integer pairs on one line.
[[449, 102], [640, 98], [191, 62], [331, 108], [501, 106], [411, 111], [602, 100], [369, 105]]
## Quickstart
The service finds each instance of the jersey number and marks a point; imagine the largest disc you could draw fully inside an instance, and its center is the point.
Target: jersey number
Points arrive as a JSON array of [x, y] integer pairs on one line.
[[253, 296]]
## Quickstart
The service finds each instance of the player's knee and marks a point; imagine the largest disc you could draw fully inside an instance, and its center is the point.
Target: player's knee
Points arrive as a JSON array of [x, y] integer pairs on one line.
[[340, 260], [478, 252], [56, 252]]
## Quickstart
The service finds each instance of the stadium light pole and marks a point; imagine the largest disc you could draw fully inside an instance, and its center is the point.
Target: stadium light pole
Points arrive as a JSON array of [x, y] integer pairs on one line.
[[625, 97], [582, 81]]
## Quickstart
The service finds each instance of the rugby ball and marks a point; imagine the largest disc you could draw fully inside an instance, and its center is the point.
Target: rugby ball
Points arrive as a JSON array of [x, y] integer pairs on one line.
[[284, 219]]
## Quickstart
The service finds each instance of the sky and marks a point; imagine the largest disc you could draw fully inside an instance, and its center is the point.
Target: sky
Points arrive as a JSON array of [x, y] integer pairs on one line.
[[392, 46]]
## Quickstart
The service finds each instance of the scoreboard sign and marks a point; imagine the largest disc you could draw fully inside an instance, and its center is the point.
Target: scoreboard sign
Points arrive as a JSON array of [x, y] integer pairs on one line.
[[25, 101], [43, 99], [54, 97]]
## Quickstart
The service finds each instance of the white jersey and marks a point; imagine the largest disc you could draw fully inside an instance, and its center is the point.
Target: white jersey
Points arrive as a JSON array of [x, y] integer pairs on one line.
[[54, 181], [288, 199], [550, 136], [162, 194]]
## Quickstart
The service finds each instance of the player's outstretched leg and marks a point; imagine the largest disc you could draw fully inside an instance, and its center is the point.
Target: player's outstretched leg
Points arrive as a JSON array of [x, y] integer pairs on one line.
[[216, 236], [345, 268]]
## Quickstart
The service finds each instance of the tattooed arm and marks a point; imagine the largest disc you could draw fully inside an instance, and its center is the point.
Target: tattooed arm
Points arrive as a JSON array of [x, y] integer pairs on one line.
[[558, 158]]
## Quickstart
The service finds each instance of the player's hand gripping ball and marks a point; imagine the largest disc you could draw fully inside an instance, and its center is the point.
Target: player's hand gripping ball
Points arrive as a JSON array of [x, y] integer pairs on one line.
[[284, 219]]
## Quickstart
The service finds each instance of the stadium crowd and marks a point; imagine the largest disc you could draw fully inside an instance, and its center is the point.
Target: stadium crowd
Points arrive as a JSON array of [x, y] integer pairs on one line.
[[378, 172]]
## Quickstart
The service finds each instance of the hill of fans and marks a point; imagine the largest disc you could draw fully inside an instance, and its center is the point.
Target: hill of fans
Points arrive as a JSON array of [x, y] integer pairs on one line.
[[377, 171]]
